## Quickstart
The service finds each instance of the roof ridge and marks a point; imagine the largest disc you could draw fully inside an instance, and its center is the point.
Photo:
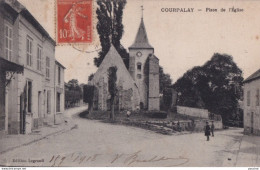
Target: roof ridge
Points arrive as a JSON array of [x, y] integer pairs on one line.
[[253, 76]]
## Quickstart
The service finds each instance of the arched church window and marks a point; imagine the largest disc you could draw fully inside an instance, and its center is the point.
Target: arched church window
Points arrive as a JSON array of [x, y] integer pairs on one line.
[[139, 76], [139, 66]]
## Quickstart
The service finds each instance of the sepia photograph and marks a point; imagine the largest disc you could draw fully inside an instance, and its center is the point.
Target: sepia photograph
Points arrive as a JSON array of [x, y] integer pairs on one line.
[[129, 83]]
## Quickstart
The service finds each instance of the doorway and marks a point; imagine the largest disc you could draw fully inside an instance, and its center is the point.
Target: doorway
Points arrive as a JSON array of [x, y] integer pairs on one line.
[[39, 104], [252, 122]]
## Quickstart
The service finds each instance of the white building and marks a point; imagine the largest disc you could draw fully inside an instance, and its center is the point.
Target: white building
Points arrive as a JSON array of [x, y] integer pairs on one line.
[[252, 104], [29, 97]]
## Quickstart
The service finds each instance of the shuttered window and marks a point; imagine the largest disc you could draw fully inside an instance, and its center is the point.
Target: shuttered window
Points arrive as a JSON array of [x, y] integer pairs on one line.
[[8, 42], [248, 98]]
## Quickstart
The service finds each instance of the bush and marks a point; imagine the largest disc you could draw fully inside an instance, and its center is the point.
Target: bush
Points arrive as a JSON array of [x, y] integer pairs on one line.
[[156, 114]]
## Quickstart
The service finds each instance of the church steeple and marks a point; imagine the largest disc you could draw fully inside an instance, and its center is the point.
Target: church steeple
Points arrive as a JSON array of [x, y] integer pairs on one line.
[[141, 39]]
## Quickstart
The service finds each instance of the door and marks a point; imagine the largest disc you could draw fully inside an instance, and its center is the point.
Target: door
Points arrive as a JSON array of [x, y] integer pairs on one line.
[[23, 107], [252, 122], [58, 103], [39, 105]]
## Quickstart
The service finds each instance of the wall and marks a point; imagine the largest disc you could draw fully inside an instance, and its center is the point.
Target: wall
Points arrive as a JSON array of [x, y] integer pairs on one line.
[[199, 125], [10, 92], [252, 111], [153, 91], [202, 113], [124, 80]]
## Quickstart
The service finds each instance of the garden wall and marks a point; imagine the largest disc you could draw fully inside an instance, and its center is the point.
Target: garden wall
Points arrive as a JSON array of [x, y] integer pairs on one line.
[[201, 113]]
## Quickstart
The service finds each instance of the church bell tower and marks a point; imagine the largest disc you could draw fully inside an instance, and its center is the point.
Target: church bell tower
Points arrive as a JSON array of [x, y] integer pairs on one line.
[[141, 60]]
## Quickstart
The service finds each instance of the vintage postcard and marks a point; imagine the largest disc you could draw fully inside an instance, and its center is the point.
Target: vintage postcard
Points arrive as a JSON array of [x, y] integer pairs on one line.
[[129, 83]]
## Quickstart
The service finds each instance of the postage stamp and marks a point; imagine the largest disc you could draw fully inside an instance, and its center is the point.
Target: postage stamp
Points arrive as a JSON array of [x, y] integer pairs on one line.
[[74, 21]]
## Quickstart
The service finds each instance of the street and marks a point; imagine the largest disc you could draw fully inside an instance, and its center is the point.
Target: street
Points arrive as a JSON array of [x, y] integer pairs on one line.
[[93, 143]]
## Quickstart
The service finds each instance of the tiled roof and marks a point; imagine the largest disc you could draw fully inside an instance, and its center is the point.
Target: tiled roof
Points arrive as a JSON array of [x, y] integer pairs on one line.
[[141, 39], [254, 76]]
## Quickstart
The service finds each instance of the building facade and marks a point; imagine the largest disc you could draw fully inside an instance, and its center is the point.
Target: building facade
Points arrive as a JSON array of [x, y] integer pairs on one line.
[[30, 97], [252, 104], [59, 92]]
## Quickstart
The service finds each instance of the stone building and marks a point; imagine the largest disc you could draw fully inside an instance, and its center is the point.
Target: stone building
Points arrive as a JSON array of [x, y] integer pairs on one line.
[[138, 85], [252, 104], [29, 97]]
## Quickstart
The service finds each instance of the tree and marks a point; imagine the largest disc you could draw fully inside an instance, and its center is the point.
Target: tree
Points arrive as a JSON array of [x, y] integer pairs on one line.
[[189, 88], [165, 80], [73, 83], [88, 95], [225, 85], [91, 76], [110, 28], [73, 93], [216, 86], [112, 88]]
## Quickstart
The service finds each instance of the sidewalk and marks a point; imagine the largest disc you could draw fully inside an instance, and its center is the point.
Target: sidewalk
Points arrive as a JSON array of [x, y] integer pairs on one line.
[[10, 142], [249, 151]]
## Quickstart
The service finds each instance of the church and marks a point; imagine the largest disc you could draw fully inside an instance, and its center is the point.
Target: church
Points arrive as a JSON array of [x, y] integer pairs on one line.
[[138, 85]]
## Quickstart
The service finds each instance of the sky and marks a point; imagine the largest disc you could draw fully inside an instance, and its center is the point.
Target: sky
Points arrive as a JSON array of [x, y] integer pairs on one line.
[[181, 40]]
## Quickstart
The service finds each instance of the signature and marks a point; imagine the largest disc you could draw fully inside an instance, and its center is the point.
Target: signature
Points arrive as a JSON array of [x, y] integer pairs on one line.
[[133, 159]]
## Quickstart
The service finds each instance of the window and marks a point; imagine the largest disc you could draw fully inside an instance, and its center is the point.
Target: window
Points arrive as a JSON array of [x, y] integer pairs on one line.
[[39, 58], [29, 51], [47, 67], [139, 76], [257, 98], [8, 42], [59, 76], [248, 98], [139, 66]]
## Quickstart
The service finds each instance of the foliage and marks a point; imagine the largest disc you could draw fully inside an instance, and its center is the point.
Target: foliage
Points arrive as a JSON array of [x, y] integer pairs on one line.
[[112, 88], [166, 101], [216, 86], [165, 80], [73, 93], [110, 28], [91, 76], [165, 83], [88, 95]]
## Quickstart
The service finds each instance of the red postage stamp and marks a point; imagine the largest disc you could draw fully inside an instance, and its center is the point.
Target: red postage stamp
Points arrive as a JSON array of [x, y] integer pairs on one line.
[[74, 21]]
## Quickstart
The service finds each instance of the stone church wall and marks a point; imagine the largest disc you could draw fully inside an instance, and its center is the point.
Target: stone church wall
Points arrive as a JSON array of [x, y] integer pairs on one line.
[[153, 92]]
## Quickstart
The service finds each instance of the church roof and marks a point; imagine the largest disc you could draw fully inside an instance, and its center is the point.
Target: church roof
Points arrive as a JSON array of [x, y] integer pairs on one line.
[[254, 76], [113, 58], [141, 39]]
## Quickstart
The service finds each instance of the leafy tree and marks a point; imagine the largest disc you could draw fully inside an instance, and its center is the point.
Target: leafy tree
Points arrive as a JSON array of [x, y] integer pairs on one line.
[[112, 88], [110, 28], [73, 93], [88, 95], [225, 85], [165, 80], [216, 86], [73, 83], [188, 86]]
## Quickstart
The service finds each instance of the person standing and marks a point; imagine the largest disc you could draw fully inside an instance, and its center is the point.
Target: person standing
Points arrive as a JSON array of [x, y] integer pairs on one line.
[[212, 128], [207, 130]]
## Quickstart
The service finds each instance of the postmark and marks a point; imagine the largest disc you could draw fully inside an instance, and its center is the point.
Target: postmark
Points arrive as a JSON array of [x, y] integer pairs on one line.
[[74, 21]]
